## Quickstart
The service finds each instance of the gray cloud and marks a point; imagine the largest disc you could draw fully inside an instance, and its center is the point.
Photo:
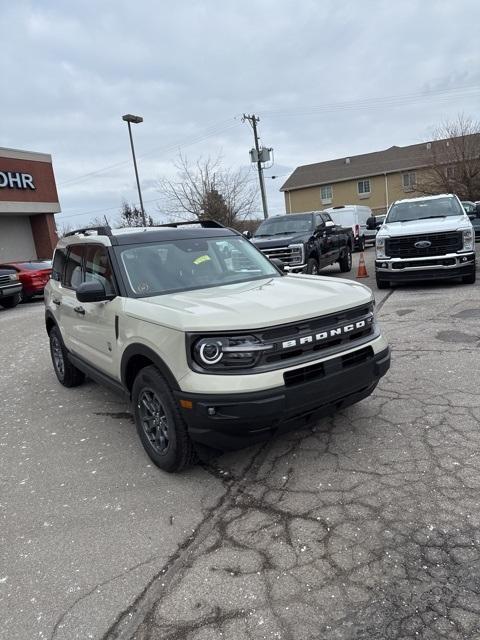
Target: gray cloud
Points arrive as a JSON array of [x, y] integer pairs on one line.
[[70, 70]]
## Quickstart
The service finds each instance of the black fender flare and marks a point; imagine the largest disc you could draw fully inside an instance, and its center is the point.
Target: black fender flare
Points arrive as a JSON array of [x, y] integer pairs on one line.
[[49, 320], [138, 349]]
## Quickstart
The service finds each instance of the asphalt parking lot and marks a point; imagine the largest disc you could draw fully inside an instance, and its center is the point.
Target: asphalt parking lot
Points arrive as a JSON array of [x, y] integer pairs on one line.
[[366, 526]]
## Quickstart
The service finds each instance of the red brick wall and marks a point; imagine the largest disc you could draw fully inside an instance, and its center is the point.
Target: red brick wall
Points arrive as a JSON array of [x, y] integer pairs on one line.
[[44, 234]]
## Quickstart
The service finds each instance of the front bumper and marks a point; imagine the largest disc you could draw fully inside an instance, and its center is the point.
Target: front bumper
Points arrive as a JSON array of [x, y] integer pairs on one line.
[[297, 268], [451, 265], [10, 290], [231, 421]]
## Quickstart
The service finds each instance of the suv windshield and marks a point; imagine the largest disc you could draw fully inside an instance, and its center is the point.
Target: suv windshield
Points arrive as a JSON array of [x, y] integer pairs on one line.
[[422, 209], [181, 265], [285, 225]]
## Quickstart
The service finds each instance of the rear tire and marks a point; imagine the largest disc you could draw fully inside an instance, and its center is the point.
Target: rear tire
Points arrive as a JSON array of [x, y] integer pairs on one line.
[[66, 373], [312, 267], [11, 301], [470, 279], [160, 425], [345, 261], [382, 284]]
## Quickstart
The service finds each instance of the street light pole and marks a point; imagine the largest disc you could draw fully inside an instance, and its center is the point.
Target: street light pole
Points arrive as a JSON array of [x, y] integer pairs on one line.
[[129, 118]]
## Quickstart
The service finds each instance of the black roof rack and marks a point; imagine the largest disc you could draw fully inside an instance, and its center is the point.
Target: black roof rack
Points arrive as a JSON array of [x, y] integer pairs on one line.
[[101, 231], [206, 224]]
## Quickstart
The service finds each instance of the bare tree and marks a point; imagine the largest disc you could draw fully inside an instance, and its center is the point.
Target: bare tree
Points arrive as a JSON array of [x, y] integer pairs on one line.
[[131, 216], [206, 190], [455, 160]]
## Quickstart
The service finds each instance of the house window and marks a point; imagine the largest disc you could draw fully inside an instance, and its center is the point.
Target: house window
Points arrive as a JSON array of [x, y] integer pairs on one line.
[[409, 181], [450, 172], [326, 192], [363, 187]]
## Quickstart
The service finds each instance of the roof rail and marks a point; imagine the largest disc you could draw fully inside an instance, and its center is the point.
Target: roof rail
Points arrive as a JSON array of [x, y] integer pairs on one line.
[[101, 231], [206, 224]]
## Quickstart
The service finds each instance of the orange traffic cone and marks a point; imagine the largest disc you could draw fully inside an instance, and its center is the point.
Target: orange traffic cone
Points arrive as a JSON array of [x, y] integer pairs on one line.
[[362, 269]]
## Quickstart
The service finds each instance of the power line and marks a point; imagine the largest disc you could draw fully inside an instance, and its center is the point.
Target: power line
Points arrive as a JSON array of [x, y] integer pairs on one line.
[[209, 132], [374, 102]]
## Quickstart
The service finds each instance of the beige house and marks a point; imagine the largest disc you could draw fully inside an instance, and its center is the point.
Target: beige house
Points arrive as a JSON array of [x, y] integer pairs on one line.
[[373, 179]]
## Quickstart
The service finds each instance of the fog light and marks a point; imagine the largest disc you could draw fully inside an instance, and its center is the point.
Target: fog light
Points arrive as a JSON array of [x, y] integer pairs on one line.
[[211, 411], [464, 259], [384, 265]]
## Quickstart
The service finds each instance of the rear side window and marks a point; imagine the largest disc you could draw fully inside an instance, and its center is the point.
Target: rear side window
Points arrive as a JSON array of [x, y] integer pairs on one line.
[[73, 269], [58, 266]]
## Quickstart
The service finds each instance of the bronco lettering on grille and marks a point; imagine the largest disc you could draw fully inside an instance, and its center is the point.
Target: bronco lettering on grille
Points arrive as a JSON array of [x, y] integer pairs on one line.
[[329, 333]]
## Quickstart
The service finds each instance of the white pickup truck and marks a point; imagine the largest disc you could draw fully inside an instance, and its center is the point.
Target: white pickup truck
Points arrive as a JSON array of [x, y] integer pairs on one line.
[[425, 239]]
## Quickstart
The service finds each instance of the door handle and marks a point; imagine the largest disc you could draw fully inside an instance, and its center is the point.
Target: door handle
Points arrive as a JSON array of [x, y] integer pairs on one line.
[[80, 310], [57, 302]]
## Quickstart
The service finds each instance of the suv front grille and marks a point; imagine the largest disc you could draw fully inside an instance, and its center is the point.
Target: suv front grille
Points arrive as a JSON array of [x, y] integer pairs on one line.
[[5, 280], [440, 244], [307, 339]]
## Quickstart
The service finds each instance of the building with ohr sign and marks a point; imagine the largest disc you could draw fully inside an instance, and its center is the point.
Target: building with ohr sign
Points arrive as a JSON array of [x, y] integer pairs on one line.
[[28, 202]]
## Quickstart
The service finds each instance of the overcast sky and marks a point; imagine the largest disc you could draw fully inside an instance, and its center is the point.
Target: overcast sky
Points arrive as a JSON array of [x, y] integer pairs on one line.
[[327, 78]]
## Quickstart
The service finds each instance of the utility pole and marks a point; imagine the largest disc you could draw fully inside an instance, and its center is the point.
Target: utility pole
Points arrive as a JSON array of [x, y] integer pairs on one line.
[[253, 119]]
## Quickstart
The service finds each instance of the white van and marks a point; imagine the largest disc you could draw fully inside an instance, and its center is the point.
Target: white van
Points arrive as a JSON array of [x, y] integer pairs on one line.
[[355, 216]]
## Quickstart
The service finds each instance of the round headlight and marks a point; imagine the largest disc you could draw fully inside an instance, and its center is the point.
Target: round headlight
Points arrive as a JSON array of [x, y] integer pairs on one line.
[[211, 352]]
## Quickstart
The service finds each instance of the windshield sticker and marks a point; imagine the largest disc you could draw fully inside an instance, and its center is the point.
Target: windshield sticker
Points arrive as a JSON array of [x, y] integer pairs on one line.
[[201, 259]]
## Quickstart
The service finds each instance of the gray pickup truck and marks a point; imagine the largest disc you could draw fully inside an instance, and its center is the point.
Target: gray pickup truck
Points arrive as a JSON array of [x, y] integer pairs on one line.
[[305, 242], [10, 288]]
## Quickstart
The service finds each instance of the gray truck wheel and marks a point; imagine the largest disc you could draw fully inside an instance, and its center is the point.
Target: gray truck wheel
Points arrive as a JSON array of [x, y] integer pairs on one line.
[[382, 284], [11, 301], [312, 267], [160, 426], [345, 261]]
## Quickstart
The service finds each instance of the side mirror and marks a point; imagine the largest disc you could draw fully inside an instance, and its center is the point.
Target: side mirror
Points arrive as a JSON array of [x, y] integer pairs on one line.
[[93, 291], [247, 234], [371, 223], [477, 207], [329, 224], [278, 263]]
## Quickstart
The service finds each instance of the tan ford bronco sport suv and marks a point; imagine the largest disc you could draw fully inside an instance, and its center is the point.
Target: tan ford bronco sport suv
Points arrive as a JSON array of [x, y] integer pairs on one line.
[[210, 340]]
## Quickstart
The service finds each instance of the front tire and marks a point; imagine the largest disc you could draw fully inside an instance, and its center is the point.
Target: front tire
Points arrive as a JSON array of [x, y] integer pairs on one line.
[[11, 301], [312, 267], [159, 423], [345, 261], [382, 284], [470, 279], [67, 374]]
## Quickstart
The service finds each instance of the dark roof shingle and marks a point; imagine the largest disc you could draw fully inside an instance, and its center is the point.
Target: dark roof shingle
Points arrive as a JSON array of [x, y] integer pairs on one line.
[[368, 164]]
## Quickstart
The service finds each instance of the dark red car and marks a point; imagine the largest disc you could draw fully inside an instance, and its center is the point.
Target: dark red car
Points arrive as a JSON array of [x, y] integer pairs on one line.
[[33, 274]]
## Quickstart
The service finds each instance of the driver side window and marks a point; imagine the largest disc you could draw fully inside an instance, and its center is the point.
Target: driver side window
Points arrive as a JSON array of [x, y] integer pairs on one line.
[[97, 267], [318, 221]]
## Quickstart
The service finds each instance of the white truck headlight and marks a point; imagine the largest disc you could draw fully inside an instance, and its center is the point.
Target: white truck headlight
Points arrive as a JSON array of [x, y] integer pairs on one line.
[[380, 246], [468, 240]]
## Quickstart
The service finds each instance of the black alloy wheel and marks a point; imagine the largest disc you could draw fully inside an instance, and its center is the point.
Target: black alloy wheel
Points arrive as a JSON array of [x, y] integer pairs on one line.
[[154, 420]]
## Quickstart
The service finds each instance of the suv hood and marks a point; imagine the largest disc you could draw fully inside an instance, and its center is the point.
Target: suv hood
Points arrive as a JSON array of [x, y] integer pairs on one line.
[[250, 305], [280, 241], [434, 225]]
